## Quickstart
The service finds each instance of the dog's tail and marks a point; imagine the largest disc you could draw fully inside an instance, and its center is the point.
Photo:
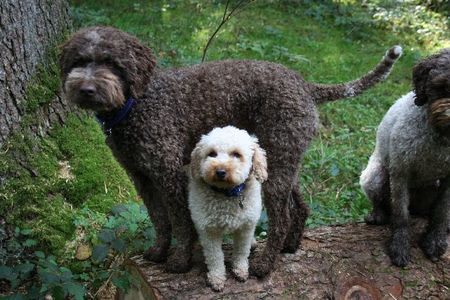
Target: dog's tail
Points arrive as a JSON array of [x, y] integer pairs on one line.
[[328, 92]]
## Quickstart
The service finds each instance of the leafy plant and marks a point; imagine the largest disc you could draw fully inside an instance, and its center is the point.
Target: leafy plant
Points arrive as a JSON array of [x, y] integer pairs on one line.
[[125, 232], [23, 269]]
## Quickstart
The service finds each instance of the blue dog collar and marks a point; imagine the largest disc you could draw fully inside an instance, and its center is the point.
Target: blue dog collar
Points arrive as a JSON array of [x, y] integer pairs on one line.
[[233, 192], [109, 123]]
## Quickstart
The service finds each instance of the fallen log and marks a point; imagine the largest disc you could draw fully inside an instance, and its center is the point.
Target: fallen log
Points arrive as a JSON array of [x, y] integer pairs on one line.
[[334, 262]]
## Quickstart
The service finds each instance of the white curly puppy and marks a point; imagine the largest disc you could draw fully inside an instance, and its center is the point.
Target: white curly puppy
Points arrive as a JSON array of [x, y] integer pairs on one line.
[[226, 172]]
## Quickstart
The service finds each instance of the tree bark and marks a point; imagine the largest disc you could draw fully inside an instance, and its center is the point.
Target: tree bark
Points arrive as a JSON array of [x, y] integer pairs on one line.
[[334, 262], [27, 29]]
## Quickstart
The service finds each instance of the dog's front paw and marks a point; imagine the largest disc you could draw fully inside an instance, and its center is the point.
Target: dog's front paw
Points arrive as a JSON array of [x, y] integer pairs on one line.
[[216, 282], [434, 245], [240, 273], [261, 266], [291, 244], [377, 218], [156, 254], [179, 261], [399, 249]]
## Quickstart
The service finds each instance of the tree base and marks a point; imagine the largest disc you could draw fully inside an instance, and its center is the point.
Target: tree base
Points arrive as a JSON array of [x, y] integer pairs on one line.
[[334, 262]]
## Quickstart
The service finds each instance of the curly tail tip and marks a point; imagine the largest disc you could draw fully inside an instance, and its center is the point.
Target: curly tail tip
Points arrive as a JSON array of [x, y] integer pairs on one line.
[[330, 92], [394, 53]]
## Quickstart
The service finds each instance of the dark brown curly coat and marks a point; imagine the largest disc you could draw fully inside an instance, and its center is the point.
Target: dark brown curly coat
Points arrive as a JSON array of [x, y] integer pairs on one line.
[[174, 107]]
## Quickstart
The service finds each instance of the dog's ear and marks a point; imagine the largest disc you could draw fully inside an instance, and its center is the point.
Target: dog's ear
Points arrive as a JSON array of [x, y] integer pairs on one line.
[[69, 54], [420, 79], [136, 61], [194, 166], [423, 73], [259, 163]]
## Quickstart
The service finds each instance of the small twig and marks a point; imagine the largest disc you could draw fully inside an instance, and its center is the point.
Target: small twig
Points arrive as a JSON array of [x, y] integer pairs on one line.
[[393, 297], [225, 11], [6, 150], [226, 16], [117, 261]]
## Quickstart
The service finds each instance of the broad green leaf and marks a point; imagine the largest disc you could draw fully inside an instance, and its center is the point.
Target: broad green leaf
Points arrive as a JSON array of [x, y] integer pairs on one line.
[[107, 235], [117, 209], [39, 254], [122, 282], [7, 273], [26, 231], [76, 290], [30, 243], [49, 277], [25, 268], [100, 252], [119, 245]]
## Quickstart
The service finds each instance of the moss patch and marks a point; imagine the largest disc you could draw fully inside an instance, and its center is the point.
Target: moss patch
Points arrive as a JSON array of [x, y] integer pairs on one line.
[[51, 179]]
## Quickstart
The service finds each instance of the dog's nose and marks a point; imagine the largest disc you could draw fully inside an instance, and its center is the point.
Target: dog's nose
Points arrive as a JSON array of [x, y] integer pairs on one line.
[[87, 89], [221, 174]]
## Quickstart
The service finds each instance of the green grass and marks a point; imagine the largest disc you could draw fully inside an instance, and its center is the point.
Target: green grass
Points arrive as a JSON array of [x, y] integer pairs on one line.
[[303, 37]]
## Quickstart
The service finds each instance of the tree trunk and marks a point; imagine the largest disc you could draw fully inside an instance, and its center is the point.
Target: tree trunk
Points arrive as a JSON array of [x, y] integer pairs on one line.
[[27, 29], [335, 262]]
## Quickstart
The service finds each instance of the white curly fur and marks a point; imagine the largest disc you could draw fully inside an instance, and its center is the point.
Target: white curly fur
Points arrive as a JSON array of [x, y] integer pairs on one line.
[[215, 214]]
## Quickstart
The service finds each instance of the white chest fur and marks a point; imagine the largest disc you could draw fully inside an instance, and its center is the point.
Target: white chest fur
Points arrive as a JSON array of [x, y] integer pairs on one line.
[[214, 211]]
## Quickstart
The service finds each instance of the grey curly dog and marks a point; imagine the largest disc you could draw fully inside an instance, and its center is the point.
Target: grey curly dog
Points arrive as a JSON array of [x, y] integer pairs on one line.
[[154, 117], [409, 170]]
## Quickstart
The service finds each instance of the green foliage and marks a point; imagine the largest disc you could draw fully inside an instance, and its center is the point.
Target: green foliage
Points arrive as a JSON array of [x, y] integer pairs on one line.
[[412, 21], [125, 232], [50, 180], [24, 269], [127, 228]]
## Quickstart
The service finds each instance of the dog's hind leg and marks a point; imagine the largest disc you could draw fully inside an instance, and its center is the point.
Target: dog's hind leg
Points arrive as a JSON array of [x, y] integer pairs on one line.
[[284, 128], [434, 242], [277, 203], [299, 212], [159, 217], [374, 181], [182, 226], [171, 181], [282, 180]]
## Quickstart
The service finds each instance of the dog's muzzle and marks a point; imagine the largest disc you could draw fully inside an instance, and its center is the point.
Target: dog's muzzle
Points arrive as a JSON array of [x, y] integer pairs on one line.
[[439, 112]]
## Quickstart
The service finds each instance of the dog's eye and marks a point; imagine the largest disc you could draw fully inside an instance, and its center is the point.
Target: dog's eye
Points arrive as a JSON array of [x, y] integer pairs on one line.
[[212, 154], [236, 154]]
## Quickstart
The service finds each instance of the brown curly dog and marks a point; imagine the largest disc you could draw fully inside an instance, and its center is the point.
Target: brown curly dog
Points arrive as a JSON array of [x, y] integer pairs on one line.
[[153, 132]]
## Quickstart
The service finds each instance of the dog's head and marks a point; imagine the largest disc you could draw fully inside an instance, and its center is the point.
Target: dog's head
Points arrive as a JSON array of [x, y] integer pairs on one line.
[[226, 157], [102, 66], [431, 79]]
